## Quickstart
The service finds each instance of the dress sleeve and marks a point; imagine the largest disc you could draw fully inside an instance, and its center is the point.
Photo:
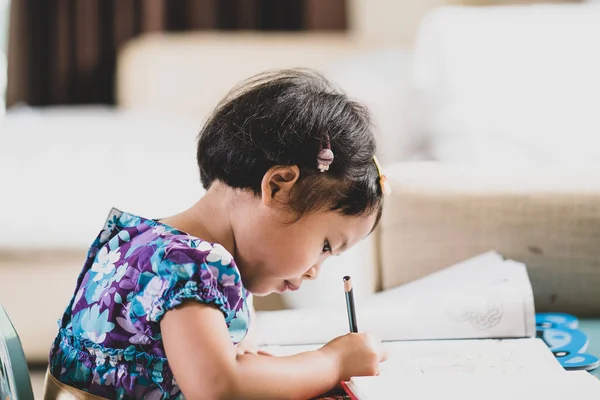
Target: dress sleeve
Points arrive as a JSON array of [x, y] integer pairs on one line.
[[201, 272]]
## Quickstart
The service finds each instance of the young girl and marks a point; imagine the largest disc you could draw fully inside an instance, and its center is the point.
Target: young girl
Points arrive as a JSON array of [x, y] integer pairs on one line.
[[161, 307]]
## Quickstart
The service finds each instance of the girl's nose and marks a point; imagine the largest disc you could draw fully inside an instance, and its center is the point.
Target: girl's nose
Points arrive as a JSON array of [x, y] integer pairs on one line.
[[312, 273]]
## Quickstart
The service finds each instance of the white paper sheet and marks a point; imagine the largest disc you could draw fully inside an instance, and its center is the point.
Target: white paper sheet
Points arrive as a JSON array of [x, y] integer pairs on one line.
[[476, 356], [547, 386], [484, 297]]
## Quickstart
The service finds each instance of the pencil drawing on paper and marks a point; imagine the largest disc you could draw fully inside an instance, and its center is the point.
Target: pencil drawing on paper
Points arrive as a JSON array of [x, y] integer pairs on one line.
[[482, 318]]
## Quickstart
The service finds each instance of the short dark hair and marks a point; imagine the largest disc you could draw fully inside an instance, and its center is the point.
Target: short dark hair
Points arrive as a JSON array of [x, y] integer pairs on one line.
[[284, 118]]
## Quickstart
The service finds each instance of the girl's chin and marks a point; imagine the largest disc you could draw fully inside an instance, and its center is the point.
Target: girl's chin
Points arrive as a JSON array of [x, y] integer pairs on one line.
[[265, 291], [259, 291]]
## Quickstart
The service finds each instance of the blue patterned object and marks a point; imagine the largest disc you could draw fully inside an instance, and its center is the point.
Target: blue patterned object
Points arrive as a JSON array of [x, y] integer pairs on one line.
[[555, 320], [567, 343], [14, 375]]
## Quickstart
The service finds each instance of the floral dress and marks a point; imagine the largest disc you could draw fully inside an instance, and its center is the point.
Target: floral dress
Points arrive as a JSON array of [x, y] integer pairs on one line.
[[109, 343]]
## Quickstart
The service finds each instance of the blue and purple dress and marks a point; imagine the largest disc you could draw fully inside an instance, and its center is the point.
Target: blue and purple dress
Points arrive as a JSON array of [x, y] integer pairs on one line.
[[137, 269]]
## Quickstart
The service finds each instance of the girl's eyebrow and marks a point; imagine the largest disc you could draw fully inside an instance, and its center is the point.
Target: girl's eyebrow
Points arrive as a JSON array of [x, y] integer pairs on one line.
[[344, 242]]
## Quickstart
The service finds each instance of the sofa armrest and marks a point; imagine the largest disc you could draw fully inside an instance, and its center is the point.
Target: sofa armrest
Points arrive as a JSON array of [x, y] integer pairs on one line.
[[549, 219]]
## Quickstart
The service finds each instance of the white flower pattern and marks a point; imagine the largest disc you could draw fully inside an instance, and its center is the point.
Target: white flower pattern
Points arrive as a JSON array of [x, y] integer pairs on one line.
[[204, 246], [228, 280], [219, 253], [105, 263], [152, 294], [159, 230]]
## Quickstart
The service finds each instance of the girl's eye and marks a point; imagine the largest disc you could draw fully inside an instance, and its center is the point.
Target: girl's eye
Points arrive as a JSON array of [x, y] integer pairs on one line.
[[326, 247]]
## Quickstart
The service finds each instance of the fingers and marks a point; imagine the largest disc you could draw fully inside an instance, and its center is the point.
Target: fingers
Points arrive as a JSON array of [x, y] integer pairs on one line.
[[384, 355], [241, 350], [376, 343], [374, 338]]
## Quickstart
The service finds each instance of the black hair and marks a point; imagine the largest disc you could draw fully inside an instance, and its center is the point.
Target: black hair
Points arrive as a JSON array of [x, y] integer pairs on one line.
[[285, 118]]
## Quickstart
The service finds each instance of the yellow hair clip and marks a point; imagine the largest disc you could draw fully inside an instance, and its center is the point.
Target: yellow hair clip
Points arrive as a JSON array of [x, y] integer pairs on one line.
[[383, 182]]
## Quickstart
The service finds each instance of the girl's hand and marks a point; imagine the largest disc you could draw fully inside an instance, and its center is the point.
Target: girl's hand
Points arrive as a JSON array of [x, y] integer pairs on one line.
[[248, 346], [356, 354]]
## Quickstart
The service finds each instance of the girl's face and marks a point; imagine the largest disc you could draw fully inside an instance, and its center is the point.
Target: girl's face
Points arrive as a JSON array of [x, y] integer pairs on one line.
[[277, 256], [274, 255]]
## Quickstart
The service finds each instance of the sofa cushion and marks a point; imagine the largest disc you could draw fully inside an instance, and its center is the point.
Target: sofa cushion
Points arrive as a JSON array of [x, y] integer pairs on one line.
[[64, 168], [439, 214]]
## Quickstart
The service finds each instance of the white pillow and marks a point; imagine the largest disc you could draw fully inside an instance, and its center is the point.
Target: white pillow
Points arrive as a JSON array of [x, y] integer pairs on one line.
[[510, 84]]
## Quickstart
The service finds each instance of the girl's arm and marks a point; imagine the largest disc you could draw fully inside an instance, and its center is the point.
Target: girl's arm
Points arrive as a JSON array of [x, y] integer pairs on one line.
[[205, 365]]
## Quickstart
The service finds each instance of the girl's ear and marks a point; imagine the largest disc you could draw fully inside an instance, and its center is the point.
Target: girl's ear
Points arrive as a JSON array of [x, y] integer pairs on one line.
[[277, 184]]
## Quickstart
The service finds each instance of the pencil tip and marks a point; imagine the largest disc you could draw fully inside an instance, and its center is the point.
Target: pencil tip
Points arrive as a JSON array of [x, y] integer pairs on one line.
[[347, 284]]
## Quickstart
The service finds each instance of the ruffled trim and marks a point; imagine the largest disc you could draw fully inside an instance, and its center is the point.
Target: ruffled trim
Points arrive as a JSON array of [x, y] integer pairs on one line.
[[208, 295], [86, 365], [84, 349]]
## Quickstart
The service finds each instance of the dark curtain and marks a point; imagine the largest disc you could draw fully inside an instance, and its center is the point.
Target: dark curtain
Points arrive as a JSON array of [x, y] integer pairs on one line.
[[64, 51]]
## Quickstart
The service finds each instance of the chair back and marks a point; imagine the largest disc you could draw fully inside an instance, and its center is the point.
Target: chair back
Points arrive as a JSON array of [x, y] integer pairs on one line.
[[15, 383]]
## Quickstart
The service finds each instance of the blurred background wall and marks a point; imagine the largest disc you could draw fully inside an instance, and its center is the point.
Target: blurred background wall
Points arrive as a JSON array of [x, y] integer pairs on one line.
[[64, 51]]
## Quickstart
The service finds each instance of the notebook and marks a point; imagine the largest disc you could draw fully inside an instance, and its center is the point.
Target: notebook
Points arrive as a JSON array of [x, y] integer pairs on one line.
[[467, 331], [557, 386], [470, 369]]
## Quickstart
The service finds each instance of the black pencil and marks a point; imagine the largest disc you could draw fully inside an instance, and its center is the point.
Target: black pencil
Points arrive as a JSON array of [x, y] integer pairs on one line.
[[350, 304]]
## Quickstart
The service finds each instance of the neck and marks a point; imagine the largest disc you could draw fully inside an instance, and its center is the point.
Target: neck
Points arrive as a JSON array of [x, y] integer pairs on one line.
[[209, 219]]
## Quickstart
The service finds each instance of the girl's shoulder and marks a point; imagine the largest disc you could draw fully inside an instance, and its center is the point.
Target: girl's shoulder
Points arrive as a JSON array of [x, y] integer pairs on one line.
[[126, 230], [146, 268], [157, 250]]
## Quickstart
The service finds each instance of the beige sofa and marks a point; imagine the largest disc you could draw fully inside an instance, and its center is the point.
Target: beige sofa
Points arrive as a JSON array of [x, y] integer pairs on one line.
[[62, 161]]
